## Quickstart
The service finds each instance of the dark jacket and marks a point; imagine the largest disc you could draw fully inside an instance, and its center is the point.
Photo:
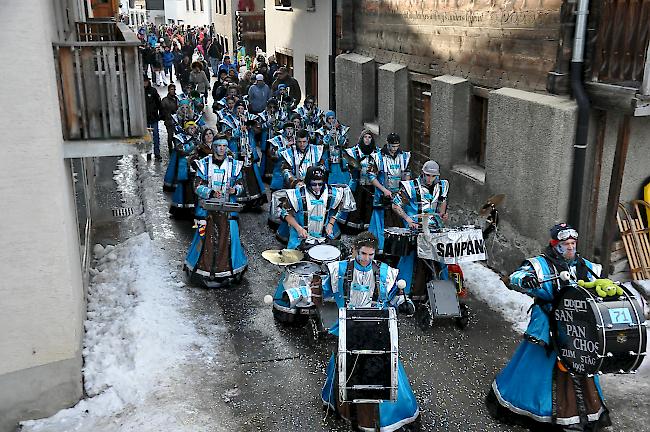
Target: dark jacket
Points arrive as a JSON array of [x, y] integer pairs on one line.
[[168, 106], [152, 104], [294, 87]]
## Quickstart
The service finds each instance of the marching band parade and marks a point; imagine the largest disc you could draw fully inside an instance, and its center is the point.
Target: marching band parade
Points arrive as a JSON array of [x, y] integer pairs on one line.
[[358, 217], [300, 215]]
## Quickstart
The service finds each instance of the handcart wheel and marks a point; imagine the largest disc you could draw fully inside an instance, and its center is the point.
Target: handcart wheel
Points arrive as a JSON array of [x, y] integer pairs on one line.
[[463, 321], [423, 316]]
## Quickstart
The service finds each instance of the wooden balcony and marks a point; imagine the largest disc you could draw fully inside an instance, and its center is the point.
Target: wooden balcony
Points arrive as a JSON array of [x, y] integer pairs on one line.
[[251, 26], [618, 60], [101, 90]]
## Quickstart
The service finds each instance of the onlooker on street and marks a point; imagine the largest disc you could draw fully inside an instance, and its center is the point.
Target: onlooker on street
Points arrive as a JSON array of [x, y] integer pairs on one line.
[[168, 62], [227, 65], [169, 106], [215, 51], [153, 105], [199, 81], [258, 94]]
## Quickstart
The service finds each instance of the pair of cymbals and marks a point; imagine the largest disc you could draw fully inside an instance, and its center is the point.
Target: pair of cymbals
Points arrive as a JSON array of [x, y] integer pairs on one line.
[[283, 257]]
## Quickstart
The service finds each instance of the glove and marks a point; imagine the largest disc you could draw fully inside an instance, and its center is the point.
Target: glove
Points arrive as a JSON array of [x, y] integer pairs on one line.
[[530, 282]]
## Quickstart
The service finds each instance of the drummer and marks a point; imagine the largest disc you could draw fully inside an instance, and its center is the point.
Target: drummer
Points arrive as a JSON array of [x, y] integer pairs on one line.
[[535, 389], [216, 253], [425, 196], [360, 281], [392, 166], [360, 184], [311, 209], [296, 159]]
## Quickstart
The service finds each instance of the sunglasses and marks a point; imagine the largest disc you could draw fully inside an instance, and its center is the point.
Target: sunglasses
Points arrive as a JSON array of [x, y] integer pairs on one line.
[[567, 234]]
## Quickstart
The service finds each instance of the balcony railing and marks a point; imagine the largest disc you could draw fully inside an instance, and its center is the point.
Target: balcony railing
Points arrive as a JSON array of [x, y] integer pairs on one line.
[[250, 25], [100, 83]]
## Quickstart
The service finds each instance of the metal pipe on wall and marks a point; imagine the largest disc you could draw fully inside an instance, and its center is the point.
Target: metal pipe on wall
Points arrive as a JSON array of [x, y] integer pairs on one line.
[[582, 127]]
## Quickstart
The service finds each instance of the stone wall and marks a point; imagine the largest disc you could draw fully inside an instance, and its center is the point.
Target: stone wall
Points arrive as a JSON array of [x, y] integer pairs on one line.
[[496, 44]]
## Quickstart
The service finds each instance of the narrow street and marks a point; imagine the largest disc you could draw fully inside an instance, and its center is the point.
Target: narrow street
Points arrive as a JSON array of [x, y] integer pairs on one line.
[[270, 376]]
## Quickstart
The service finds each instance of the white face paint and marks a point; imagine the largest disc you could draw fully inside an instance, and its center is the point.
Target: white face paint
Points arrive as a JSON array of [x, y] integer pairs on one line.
[[367, 139], [567, 249]]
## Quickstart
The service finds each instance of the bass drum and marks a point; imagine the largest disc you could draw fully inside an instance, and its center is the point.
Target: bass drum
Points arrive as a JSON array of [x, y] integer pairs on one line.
[[596, 335]]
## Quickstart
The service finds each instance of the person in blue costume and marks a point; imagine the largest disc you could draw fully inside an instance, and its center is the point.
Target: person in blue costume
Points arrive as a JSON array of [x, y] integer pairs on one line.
[[534, 389], [276, 146], [426, 195], [312, 116], [392, 166], [184, 114], [216, 254], [237, 128], [311, 209], [177, 169], [183, 199], [297, 159], [266, 130], [203, 149], [273, 122], [360, 183], [333, 137], [360, 281]]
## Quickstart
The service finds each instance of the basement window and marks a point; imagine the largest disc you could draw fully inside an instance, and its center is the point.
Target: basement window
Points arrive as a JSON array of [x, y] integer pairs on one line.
[[283, 5]]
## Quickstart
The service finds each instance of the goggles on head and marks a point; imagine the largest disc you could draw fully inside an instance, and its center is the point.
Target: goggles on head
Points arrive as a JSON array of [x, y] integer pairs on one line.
[[567, 234]]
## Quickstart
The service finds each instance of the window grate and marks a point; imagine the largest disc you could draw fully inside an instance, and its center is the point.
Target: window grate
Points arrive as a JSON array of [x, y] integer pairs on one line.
[[122, 211]]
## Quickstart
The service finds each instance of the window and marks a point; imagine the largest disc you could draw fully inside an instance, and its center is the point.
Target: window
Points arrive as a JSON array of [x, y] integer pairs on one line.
[[285, 60], [420, 122], [377, 66], [225, 46], [193, 5], [201, 5], [187, 4], [283, 4], [478, 111], [311, 78]]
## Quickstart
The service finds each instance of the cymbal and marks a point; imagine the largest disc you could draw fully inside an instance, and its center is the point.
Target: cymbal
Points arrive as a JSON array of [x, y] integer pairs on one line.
[[493, 201], [282, 257]]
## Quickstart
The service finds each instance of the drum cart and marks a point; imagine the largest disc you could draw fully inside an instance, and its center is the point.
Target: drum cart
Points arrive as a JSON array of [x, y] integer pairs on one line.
[[443, 297]]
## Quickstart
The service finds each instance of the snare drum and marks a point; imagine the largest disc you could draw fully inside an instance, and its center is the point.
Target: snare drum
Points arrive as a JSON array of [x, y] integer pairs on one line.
[[302, 284], [596, 335], [367, 355], [399, 241], [323, 254]]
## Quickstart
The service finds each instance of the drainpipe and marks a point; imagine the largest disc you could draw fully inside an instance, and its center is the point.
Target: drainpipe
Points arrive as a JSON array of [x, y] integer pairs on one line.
[[582, 129], [332, 59]]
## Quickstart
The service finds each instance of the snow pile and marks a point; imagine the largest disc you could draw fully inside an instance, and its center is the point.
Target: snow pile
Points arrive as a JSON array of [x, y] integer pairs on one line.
[[488, 287], [136, 335]]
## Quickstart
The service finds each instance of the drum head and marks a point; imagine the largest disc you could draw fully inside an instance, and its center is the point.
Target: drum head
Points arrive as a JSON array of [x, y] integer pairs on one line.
[[303, 268], [324, 253], [576, 334]]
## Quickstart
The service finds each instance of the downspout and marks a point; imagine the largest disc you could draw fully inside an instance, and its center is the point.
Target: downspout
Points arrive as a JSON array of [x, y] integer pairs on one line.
[[582, 129], [332, 59]]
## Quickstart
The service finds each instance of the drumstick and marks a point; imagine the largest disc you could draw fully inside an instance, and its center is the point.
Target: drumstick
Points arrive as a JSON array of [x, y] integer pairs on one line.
[[401, 284]]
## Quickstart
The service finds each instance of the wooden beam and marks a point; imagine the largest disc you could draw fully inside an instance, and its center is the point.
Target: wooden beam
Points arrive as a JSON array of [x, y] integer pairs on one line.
[[615, 183]]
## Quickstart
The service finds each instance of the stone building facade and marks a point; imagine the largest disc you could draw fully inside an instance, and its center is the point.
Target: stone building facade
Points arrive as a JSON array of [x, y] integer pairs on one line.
[[465, 83]]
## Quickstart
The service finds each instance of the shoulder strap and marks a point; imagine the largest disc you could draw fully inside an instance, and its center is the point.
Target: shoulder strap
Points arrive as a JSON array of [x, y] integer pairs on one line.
[[305, 210], [376, 273], [347, 280]]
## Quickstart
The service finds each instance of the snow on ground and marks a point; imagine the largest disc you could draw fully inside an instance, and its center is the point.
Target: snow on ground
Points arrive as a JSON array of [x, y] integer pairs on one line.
[[486, 285], [137, 340]]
